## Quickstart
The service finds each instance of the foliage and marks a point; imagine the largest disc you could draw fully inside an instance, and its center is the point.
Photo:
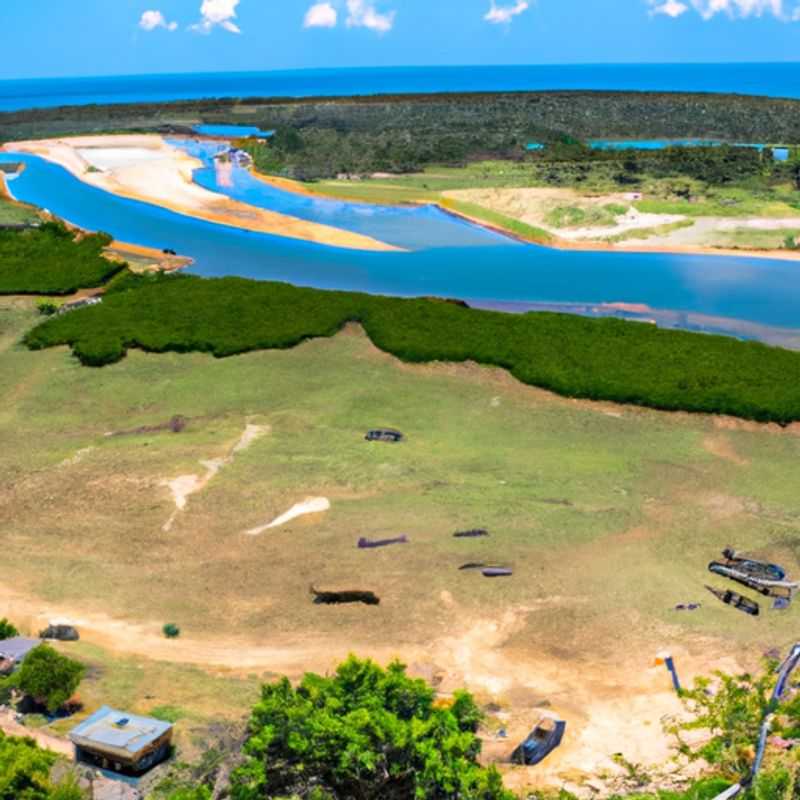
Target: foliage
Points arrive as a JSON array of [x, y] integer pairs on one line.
[[363, 733], [49, 678], [25, 773], [171, 630], [46, 308], [194, 793], [167, 713], [7, 630], [50, 260], [599, 359]]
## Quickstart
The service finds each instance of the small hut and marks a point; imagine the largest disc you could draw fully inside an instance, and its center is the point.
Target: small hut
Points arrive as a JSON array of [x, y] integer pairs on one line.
[[121, 742]]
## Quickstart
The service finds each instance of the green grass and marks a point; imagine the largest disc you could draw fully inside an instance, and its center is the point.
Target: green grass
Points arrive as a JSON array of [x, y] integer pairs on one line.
[[754, 239], [588, 216], [13, 213], [49, 260], [646, 233], [599, 359], [520, 229]]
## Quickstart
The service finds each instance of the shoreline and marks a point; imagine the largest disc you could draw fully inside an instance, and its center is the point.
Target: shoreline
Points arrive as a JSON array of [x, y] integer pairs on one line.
[[556, 243], [170, 186]]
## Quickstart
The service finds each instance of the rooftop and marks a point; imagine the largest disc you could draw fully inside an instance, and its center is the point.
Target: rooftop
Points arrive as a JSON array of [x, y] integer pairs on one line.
[[17, 648], [107, 728]]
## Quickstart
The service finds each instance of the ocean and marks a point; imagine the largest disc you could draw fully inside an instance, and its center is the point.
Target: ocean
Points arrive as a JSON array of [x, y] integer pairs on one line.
[[774, 80]]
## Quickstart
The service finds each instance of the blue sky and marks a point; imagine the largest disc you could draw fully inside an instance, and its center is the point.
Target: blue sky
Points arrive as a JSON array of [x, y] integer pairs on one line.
[[50, 38]]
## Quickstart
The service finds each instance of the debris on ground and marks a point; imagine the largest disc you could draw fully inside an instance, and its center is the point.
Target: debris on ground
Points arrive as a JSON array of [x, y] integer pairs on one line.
[[473, 534], [176, 424], [368, 544], [687, 607], [348, 596], [60, 632], [384, 435], [736, 601], [497, 572]]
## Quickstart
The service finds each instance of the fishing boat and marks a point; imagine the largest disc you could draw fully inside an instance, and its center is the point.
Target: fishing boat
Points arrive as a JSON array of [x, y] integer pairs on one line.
[[736, 600], [761, 570], [542, 740]]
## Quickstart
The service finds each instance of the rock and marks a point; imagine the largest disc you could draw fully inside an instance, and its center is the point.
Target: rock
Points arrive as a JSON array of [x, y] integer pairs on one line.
[[61, 632]]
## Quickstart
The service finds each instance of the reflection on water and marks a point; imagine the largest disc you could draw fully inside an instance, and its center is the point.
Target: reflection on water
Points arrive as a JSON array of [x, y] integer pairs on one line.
[[762, 292]]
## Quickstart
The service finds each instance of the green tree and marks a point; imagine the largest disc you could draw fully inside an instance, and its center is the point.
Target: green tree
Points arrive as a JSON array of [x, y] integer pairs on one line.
[[7, 630], [365, 733], [48, 677], [25, 773]]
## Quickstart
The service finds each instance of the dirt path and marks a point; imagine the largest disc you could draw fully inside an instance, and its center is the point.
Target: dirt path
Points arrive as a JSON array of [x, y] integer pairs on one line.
[[9, 726]]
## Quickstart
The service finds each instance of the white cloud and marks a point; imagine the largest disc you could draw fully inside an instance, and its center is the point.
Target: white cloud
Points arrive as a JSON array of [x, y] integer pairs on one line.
[[155, 19], [734, 9], [217, 12], [363, 14], [504, 14], [321, 15], [670, 8]]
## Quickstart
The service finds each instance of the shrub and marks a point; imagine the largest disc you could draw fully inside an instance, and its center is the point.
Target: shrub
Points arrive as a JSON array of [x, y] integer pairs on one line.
[[598, 359], [49, 678], [171, 630], [49, 260], [364, 732], [46, 308], [7, 630]]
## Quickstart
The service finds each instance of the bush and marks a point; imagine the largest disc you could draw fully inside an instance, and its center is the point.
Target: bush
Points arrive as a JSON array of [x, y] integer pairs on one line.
[[46, 308], [7, 630], [598, 359], [48, 678], [171, 630], [49, 260], [25, 773], [364, 732]]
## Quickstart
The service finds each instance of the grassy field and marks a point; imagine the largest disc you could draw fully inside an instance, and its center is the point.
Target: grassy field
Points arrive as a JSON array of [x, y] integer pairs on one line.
[[13, 213], [607, 515]]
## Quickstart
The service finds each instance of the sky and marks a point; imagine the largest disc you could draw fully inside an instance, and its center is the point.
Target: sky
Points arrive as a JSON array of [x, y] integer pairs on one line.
[[64, 38]]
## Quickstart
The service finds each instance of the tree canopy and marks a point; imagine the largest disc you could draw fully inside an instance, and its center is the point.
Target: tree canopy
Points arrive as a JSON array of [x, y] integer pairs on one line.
[[365, 733], [25, 773], [49, 678], [7, 630]]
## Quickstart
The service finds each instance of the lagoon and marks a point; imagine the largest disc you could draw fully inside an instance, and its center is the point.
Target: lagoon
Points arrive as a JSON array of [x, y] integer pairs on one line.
[[466, 262]]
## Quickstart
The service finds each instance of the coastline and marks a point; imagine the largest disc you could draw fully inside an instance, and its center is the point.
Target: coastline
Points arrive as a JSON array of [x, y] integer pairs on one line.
[[166, 181], [555, 243]]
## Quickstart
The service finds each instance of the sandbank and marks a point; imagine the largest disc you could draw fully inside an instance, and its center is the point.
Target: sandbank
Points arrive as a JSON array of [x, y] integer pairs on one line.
[[148, 169]]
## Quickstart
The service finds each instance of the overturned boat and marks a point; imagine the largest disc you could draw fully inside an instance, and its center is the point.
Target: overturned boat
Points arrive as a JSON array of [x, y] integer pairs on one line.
[[761, 576], [541, 741], [736, 600]]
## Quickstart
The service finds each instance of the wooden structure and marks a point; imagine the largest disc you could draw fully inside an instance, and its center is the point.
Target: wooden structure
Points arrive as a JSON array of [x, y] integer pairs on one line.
[[122, 742]]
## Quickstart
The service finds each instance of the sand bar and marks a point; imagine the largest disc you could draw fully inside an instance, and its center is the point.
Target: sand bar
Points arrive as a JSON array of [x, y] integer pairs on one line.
[[147, 168]]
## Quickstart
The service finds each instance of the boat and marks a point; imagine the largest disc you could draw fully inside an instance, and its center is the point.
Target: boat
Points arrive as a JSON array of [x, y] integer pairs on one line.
[[497, 572], [761, 570], [736, 600], [541, 741]]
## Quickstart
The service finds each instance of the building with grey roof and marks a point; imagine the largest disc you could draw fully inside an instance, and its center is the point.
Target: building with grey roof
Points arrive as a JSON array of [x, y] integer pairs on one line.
[[13, 652], [121, 742]]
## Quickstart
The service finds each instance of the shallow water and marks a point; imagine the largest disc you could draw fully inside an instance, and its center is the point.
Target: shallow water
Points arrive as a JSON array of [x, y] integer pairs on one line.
[[756, 290], [240, 131]]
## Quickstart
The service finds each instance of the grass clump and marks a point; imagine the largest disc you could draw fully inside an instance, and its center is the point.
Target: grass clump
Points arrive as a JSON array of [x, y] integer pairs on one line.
[[598, 359], [49, 260], [513, 226], [594, 216], [171, 630], [646, 233]]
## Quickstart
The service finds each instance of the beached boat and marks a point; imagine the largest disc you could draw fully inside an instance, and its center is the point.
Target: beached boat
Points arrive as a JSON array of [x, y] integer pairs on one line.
[[736, 600], [761, 570], [542, 740]]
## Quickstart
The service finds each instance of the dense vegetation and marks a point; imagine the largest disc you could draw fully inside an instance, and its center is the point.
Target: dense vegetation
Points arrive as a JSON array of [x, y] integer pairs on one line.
[[365, 733], [7, 629], [47, 677], [51, 260], [25, 773], [324, 136], [600, 359]]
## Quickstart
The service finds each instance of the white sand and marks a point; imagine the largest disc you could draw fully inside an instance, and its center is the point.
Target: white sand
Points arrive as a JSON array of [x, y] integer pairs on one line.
[[311, 505], [182, 487], [147, 168]]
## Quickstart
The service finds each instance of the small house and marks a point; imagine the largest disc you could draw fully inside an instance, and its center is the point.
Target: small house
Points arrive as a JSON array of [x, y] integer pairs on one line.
[[121, 742], [14, 651]]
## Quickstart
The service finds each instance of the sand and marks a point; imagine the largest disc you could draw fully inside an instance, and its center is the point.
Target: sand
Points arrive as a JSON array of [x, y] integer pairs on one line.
[[148, 169], [311, 505]]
